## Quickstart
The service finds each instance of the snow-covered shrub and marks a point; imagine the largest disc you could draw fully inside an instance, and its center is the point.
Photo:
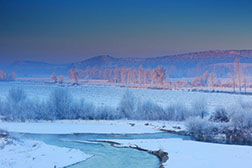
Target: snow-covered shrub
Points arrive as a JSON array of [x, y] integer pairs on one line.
[[16, 95], [14, 107], [177, 112], [202, 129], [241, 115], [59, 103], [3, 133], [149, 111], [199, 108], [1, 108], [106, 113], [220, 115], [127, 106], [86, 110]]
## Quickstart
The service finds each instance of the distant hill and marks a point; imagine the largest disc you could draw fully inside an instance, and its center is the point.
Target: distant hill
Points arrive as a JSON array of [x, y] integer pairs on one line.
[[181, 65]]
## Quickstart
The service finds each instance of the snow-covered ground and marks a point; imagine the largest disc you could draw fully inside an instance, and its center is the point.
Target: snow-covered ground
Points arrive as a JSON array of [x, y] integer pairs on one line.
[[36, 154], [101, 95], [182, 153], [90, 126], [192, 154]]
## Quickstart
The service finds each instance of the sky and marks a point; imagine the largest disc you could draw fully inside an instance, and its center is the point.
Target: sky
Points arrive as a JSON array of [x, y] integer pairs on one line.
[[61, 31]]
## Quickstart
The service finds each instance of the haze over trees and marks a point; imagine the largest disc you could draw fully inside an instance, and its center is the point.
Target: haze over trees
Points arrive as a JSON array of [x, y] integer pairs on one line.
[[5, 76]]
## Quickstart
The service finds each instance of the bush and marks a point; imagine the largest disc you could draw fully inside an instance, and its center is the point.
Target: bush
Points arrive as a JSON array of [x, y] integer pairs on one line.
[[106, 113], [241, 115], [177, 112], [16, 95], [202, 129], [59, 104], [220, 115], [199, 108], [128, 105], [149, 111]]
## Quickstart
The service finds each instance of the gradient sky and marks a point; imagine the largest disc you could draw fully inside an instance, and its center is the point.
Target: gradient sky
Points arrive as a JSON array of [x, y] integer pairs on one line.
[[72, 30]]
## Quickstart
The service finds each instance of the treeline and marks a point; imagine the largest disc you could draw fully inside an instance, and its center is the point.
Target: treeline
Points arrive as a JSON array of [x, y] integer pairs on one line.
[[5, 76], [140, 76], [62, 105], [158, 77], [233, 124]]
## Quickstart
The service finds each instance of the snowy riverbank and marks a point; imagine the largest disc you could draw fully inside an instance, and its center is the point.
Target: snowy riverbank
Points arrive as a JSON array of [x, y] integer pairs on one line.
[[192, 154], [91, 126], [31, 154]]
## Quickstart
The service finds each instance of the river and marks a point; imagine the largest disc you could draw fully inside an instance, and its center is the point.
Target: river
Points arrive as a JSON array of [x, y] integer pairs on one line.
[[104, 155]]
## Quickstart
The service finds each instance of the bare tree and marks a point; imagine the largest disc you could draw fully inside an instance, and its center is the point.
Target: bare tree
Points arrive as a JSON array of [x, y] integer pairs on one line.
[[244, 78], [233, 81], [74, 76], [140, 75], [54, 77], [159, 75], [205, 79], [147, 76], [212, 78], [238, 72], [13, 75], [61, 79]]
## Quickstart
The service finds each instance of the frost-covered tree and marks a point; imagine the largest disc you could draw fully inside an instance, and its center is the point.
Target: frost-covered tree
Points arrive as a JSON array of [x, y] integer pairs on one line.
[[140, 75], [159, 75], [199, 107], [61, 79], [59, 103], [54, 77], [238, 72], [149, 111], [220, 115], [16, 95], [128, 105], [74, 75]]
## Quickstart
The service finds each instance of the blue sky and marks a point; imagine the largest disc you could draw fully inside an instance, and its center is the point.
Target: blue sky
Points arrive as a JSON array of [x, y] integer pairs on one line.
[[67, 31]]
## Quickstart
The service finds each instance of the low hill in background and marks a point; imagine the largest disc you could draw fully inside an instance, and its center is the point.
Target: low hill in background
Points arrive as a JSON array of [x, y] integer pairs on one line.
[[182, 65]]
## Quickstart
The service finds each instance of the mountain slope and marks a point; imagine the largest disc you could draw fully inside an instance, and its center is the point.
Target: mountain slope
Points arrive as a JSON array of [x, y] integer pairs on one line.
[[180, 65]]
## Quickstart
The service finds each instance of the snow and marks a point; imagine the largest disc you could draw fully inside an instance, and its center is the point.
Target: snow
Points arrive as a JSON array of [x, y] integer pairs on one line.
[[192, 154], [102, 95], [82, 126], [31, 154]]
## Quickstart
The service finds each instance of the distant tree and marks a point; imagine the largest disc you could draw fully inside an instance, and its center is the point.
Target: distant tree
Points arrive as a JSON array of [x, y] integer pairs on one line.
[[233, 81], [159, 75], [2, 75], [54, 77], [147, 76], [197, 81], [123, 74], [13, 75], [140, 75], [205, 79], [87, 73], [74, 76], [238, 72], [116, 75], [61, 79], [212, 78], [244, 78]]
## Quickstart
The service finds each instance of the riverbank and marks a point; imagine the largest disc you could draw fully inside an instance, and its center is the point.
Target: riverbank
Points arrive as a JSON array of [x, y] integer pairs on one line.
[[30, 154], [187, 153], [91, 126]]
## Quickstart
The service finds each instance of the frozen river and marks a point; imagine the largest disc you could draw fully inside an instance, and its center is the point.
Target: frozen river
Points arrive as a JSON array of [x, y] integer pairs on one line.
[[105, 155]]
